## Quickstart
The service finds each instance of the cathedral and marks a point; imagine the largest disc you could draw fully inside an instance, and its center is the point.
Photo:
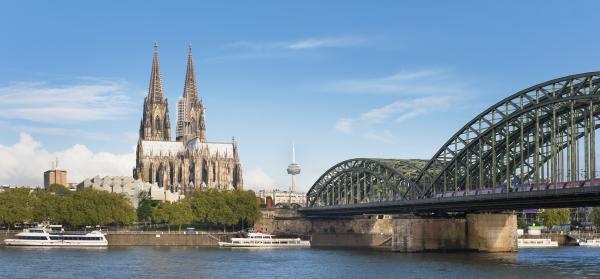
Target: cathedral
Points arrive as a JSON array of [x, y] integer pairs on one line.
[[190, 163]]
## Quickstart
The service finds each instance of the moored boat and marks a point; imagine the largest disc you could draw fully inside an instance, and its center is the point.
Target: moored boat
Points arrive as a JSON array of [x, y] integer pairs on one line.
[[45, 237], [536, 243], [590, 243], [258, 239]]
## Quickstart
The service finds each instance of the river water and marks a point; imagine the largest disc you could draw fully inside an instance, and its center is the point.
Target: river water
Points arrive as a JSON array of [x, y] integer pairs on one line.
[[188, 262]]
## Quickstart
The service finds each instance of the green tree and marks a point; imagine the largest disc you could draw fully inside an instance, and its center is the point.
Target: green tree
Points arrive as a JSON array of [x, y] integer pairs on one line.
[[248, 211], [555, 216], [47, 207], [145, 210], [91, 207], [224, 208], [595, 216], [58, 189], [16, 206], [521, 223], [176, 213]]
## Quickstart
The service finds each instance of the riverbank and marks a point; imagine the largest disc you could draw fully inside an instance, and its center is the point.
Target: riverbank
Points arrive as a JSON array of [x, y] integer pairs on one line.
[[134, 238]]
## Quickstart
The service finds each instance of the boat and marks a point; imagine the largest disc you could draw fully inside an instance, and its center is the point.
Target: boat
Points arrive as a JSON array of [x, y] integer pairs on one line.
[[536, 243], [45, 237], [590, 243], [257, 239]]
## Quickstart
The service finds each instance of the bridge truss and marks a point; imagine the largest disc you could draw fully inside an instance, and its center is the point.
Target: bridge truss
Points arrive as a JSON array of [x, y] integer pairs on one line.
[[544, 134]]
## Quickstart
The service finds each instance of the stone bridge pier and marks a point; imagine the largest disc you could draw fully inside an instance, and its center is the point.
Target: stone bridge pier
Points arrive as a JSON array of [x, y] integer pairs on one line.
[[482, 232]]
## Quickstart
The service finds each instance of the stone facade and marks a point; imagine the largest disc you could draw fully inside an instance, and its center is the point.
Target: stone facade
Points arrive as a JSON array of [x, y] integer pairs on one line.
[[131, 188], [190, 163]]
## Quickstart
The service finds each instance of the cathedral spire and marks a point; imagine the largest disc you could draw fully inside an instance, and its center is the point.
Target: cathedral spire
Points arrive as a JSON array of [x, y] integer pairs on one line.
[[155, 118], [189, 89], [190, 110], [155, 89]]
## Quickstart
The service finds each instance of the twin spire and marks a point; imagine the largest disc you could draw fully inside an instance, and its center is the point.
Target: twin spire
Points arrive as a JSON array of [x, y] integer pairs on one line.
[[155, 89]]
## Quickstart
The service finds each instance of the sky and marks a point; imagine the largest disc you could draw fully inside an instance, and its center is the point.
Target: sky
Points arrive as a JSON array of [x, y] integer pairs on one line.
[[339, 79]]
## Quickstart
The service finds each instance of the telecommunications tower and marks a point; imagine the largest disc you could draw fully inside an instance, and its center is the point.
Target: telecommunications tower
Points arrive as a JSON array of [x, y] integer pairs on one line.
[[293, 169]]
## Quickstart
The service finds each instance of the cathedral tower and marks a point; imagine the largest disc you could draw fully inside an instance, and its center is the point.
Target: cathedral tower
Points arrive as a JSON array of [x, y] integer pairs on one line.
[[190, 110], [155, 124], [190, 163]]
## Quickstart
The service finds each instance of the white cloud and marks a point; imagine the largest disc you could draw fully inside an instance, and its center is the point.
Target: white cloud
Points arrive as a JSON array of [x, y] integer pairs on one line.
[[41, 102], [258, 179], [344, 125], [403, 110], [325, 42], [421, 91], [24, 162], [303, 44], [421, 82]]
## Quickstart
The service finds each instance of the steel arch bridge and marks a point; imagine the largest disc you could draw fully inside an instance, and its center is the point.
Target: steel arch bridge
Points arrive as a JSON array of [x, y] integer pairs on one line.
[[541, 136]]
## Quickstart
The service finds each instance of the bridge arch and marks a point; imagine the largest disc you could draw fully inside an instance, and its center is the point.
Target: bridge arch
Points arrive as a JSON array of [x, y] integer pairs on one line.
[[543, 134], [364, 180]]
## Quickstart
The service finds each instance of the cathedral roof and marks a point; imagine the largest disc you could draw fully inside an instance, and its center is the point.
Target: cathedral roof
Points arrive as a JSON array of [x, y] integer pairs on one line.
[[156, 148], [214, 148]]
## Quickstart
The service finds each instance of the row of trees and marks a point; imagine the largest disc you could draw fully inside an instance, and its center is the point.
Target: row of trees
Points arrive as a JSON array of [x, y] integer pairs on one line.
[[60, 206], [210, 208], [560, 216]]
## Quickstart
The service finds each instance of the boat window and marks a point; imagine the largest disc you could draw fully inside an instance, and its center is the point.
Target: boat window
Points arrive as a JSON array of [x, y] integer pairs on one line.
[[32, 237]]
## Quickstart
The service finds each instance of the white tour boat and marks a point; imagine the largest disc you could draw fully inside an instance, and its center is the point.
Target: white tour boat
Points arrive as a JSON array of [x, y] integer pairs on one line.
[[536, 243], [264, 240], [44, 237], [590, 243]]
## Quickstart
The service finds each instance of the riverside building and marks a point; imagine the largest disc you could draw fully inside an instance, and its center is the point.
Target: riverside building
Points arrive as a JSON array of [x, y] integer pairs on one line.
[[130, 188]]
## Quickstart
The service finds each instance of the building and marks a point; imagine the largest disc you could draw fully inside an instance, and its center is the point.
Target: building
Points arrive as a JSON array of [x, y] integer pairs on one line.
[[133, 189], [190, 163], [55, 176], [283, 197]]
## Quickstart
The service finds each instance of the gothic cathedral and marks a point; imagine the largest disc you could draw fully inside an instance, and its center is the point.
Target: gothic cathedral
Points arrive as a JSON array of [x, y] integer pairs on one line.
[[189, 163]]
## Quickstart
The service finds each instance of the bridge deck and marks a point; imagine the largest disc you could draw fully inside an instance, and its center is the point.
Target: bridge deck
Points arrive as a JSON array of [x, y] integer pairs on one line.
[[557, 198]]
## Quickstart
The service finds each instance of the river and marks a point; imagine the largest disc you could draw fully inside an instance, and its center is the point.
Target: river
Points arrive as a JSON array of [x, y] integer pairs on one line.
[[188, 262]]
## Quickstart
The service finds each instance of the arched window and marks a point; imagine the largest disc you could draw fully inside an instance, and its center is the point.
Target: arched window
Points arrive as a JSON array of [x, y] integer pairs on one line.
[[157, 124], [159, 173], [214, 173], [204, 172], [171, 173], [150, 174], [194, 127], [192, 172]]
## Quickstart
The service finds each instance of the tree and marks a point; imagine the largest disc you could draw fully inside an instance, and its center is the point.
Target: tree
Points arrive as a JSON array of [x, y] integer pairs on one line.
[[555, 216], [16, 206], [91, 207], [176, 213], [521, 223], [47, 207], [58, 189], [145, 210], [595, 216]]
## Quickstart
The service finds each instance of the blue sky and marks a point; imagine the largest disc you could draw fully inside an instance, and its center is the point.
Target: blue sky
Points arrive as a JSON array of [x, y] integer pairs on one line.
[[341, 79]]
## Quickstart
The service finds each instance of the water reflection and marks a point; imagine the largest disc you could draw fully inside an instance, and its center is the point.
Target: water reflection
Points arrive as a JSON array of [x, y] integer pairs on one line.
[[193, 262]]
